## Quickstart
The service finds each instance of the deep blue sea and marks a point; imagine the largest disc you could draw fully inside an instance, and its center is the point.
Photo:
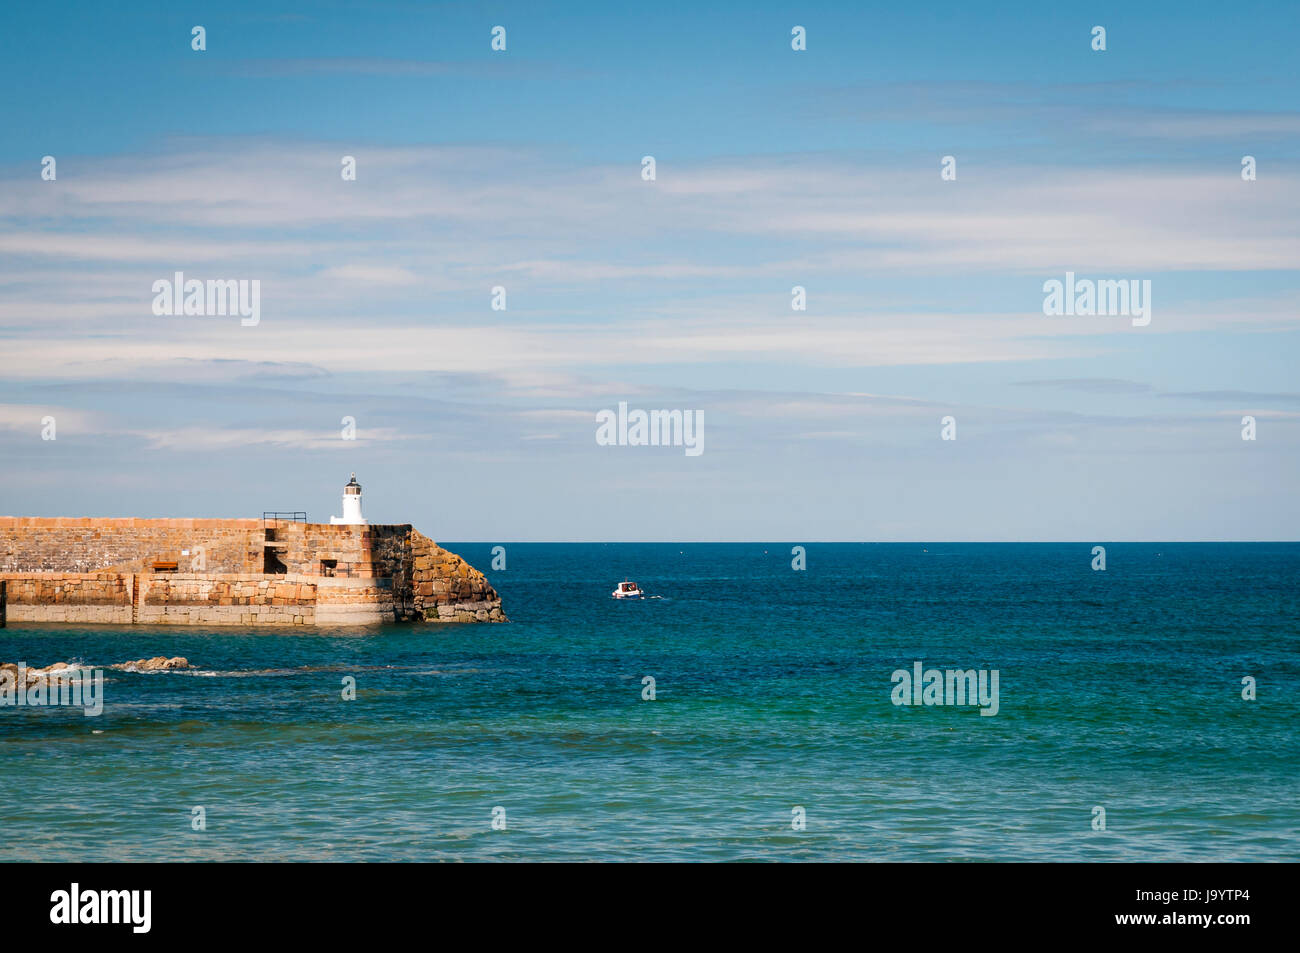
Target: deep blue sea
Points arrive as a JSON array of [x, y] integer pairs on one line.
[[1119, 690]]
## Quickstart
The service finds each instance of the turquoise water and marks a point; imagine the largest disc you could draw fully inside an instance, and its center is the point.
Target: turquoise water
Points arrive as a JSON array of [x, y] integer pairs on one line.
[[1119, 689]]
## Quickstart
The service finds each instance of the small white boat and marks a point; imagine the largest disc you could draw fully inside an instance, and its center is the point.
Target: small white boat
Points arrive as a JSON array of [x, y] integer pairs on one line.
[[628, 590]]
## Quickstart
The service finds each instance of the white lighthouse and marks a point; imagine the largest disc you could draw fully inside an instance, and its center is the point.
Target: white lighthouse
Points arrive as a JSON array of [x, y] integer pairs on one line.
[[351, 505]]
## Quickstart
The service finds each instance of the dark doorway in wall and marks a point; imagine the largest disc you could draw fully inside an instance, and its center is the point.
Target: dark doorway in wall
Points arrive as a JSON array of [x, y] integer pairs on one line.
[[329, 567], [271, 564]]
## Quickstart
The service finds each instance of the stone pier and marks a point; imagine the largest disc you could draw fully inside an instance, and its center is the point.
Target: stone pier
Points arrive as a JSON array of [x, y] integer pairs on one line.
[[233, 572]]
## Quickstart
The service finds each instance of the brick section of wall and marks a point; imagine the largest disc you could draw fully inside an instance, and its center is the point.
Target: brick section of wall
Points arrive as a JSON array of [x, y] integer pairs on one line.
[[32, 544], [197, 599], [238, 599], [354, 602], [68, 597], [362, 552]]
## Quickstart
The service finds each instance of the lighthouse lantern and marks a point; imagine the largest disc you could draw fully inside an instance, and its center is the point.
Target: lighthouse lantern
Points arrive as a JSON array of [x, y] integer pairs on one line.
[[351, 505]]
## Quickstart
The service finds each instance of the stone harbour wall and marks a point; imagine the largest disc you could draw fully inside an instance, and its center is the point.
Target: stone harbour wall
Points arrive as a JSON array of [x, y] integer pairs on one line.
[[238, 572], [445, 588], [238, 599], [199, 599]]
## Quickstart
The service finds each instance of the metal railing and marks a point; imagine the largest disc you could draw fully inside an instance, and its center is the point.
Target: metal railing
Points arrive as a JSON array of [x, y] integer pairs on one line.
[[276, 516]]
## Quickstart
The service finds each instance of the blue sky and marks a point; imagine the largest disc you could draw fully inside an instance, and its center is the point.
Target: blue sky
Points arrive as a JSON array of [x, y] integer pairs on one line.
[[775, 168]]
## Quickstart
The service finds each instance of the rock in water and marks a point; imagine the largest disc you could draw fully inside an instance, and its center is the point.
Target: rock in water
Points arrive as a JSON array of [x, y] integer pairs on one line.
[[158, 663]]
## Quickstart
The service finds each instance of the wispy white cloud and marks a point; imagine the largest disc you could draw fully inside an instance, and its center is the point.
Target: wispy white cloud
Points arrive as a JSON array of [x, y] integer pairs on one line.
[[27, 418], [849, 217], [214, 438], [370, 274]]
